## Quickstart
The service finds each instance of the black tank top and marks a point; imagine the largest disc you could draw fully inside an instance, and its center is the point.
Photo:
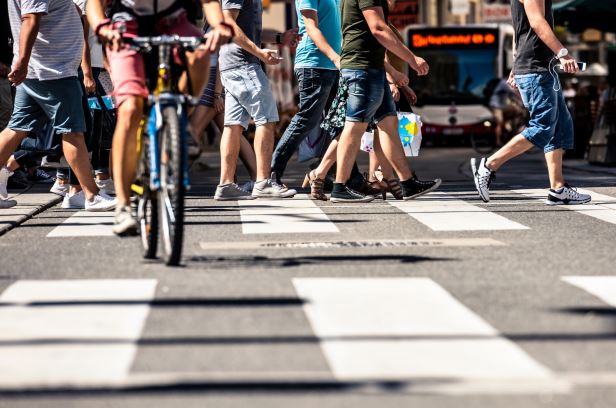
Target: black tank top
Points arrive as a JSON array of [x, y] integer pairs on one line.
[[532, 54]]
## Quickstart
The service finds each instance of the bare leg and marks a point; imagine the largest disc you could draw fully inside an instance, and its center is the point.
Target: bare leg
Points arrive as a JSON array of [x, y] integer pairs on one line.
[[124, 149], [379, 158], [229, 150], [327, 161], [247, 154], [373, 166], [76, 153], [554, 160], [9, 142], [199, 120], [12, 164], [264, 148], [198, 68], [513, 148], [392, 147]]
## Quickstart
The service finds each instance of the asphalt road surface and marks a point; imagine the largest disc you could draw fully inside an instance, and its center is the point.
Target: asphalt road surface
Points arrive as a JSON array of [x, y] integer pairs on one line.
[[439, 302]]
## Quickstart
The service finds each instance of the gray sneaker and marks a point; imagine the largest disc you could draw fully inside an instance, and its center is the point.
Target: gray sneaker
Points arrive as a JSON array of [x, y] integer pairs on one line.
[[231, 192], [4, 204], [271, 189], [124, 224]]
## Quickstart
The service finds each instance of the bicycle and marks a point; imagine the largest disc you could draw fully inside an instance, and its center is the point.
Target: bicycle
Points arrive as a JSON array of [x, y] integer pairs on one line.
[[162, 174]]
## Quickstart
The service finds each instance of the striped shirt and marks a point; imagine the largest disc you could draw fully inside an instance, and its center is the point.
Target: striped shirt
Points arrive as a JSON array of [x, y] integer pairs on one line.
[[58, 46]]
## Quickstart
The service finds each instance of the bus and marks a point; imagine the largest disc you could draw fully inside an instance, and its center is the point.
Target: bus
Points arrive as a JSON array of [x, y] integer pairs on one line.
[[464, 60]]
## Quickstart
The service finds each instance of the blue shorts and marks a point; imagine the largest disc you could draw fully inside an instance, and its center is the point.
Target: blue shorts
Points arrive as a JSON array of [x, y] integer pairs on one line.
[[57, 100], [550, 126], [248, 94], [369, 95]]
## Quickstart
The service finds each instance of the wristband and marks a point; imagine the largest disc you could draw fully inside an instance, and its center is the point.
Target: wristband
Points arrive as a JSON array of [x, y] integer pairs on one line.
[[99, 26]]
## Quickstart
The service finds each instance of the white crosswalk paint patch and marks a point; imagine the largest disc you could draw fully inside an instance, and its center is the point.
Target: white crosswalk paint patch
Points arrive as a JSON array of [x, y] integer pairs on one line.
[[442, 212], [297, 215], [62, 333], [85, 224], [603, 287], [409, 328], [602, 207]]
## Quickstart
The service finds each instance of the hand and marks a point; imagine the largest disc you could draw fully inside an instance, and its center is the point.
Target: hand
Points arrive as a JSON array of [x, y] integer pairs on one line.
[[219, 35], [111, 37], [336, 61], [399, 78], [219, 104], [270, 57], [4, 70], [569, 65], [511, 80], [88, 82], [409, 94], [395, 92], [290, 38], [420, 66], [19, 72]]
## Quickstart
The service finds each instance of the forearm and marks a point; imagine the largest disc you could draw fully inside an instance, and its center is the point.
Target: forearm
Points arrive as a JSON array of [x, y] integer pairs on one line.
[[212, 12], [388, 39], [95, 12], [320, 41], [244, 42], [86, 65], [544, 31], [29, 31]]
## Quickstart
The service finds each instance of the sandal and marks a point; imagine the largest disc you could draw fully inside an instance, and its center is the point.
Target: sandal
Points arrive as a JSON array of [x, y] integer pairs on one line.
[[373, 188], [394, 187], [317, 186]]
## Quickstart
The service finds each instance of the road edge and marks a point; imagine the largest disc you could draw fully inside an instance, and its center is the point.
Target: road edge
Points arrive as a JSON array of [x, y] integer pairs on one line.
[[16, 220]]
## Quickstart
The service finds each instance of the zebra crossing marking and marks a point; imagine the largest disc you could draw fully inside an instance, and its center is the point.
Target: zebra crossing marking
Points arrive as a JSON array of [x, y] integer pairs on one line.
[[287, 216], [602, 207], [603, 287], [59, 333], [85, 224], [441, 212], [412, 328]]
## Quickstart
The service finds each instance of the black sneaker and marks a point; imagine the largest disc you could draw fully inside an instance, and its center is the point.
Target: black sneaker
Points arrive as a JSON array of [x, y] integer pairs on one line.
[[19, 180], [413, 187], [343, 194]]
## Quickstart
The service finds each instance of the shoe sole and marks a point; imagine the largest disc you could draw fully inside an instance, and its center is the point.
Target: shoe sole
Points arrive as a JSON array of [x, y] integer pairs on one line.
[[126, 231], [234, 198], [278, 197], [548, 202], [434, 187], [111, 208], [474, 170], [346, 200]]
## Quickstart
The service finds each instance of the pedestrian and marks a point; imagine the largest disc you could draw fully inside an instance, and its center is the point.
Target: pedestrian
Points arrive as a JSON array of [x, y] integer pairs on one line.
[[366, 38], [550, 127], [317, 61], [44, 70], [248, 94]]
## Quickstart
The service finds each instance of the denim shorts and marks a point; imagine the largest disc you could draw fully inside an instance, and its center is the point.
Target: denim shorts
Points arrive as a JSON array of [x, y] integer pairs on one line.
[[248, 94], [550, 126], [56, 100], [369, 95]]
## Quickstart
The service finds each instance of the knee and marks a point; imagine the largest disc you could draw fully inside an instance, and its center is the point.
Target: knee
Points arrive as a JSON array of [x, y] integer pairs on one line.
[[131, 109]]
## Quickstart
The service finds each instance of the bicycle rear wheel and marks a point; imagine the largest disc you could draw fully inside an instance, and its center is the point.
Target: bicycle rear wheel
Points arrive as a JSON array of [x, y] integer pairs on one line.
[[147, 203], [172, 190]]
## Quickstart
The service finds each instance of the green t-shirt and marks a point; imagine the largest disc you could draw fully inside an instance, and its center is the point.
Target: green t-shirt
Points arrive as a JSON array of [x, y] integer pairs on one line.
[[360, 50]]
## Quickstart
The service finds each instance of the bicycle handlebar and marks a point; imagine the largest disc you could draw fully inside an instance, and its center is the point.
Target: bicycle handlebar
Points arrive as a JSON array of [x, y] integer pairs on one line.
[[146, 43]]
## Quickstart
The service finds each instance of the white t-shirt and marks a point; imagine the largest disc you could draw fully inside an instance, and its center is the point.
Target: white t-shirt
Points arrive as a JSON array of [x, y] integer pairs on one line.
[[96, 49], [57, 49], [146, 7]]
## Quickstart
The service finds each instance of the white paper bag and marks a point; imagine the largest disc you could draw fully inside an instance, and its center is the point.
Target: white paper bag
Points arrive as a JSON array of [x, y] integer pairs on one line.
[[367, 142], [409, 129]]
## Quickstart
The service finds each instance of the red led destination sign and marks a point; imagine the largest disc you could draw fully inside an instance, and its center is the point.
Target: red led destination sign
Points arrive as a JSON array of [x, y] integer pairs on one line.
[[419, 40]]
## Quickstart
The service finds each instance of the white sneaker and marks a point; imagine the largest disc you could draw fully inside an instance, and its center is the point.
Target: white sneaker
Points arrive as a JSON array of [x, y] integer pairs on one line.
[[483, 177], [566, 195], [60, 189], [7, 204], [106, 186], [75, 201], [101, 202], [124, 223], [271, 189], [5, 173]]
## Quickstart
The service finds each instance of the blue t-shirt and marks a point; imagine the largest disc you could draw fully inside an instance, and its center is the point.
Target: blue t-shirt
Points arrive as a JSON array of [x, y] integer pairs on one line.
[[328, 12]]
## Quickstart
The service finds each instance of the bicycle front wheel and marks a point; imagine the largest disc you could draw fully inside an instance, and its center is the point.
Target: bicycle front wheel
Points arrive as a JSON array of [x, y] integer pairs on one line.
[[147, 207], [172, 190]]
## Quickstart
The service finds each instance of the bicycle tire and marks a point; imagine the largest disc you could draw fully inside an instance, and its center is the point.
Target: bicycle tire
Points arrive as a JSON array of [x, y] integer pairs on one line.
[[172, 189], [147, 205]]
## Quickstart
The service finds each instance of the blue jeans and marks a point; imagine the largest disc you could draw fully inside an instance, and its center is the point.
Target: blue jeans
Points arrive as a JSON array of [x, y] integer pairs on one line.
[[369, 95], [550, 126], [315, 86]]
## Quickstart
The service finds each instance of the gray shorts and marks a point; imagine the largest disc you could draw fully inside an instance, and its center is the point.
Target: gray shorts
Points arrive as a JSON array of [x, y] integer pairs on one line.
[[248, 95], [57, 100]]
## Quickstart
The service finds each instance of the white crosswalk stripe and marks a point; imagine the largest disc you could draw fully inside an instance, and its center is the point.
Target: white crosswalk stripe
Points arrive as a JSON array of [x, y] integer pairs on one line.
[[410, 328], [603, 287], [61, 333], [85, 224], [441, 212], [288, 216], [602, 207]]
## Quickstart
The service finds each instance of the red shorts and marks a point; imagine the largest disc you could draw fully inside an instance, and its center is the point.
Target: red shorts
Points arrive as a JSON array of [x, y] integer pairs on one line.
[[127, 67]]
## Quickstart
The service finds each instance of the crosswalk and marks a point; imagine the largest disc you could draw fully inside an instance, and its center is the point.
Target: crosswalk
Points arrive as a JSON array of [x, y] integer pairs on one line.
[[411, 330], [440, 212]]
